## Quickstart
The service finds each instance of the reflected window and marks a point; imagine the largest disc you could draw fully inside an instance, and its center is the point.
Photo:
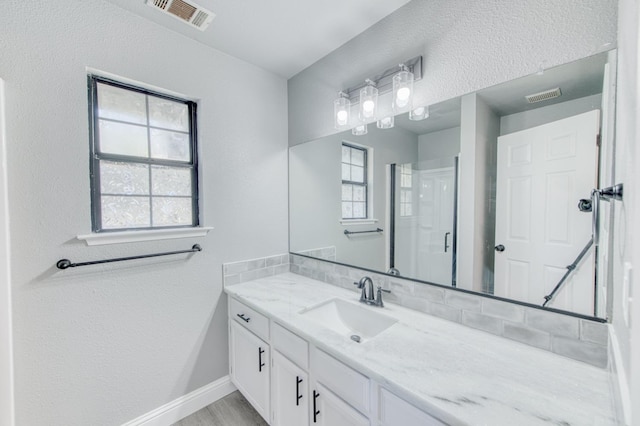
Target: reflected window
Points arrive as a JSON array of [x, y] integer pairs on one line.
[[143, 158], [354, 182], [406, 190]]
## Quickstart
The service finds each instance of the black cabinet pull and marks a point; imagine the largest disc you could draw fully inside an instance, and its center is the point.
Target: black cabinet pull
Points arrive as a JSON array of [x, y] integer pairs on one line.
[[298, 396], [243, 318], [446, 241], [260, 363], [315, 411]]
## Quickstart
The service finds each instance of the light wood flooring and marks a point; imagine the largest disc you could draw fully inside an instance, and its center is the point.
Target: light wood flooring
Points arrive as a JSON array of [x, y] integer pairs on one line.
[[232, 410]]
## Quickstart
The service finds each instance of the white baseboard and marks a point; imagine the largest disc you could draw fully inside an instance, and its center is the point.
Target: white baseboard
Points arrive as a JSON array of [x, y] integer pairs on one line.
[[180, 408]]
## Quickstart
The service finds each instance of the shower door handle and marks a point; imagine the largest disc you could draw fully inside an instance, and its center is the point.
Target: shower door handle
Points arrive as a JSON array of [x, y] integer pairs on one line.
[[446, 241], [499, 248]]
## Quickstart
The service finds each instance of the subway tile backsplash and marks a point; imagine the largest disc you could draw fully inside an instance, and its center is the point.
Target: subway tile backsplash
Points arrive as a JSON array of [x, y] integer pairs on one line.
[[569, 336]]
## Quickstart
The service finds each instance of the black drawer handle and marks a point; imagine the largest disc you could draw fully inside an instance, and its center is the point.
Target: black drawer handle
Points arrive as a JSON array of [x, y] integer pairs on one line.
[[315, 411], [260, 363], [298, 396], [243, 318]]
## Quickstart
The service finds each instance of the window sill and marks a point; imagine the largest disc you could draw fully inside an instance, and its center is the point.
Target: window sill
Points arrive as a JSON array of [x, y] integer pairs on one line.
[[103, 238], [348, 222]]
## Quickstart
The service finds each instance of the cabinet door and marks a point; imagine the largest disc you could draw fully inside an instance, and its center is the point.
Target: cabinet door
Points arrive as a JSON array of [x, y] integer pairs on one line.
[[290, 402], [329, 410], [250, 367]]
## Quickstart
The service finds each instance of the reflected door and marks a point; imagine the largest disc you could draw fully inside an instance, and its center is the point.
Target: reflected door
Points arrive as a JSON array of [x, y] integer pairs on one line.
[[542, 174]]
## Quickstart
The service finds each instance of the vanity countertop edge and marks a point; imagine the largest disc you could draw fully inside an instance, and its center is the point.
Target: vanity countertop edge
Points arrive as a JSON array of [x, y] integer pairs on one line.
[[455, 373]]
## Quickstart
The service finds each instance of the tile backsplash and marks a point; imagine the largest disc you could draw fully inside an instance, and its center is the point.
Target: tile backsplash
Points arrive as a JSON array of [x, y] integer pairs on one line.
[[573, 337], [247, 270]]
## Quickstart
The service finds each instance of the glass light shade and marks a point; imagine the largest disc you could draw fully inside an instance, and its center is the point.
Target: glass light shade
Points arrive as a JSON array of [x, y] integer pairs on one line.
[[386, 122], [368, 103], [419, 113], [402, 90], [359, 130], [341, 112]]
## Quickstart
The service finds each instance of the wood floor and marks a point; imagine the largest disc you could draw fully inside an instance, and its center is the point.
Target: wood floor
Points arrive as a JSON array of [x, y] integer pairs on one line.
[[232, 410]]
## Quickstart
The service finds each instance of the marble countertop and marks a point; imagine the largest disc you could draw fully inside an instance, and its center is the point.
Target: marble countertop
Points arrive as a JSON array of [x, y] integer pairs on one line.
[[457, 374]]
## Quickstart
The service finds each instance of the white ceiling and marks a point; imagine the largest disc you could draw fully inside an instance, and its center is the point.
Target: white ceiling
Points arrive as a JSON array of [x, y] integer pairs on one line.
[[283, 36]]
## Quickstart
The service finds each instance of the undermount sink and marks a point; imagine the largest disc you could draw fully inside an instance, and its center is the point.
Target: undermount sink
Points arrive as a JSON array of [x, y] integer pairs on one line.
[[349, 319]]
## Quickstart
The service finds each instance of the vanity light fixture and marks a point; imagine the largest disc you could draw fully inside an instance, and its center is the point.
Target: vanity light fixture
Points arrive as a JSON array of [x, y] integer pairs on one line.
[[359, 130], [386, 122], [398, 79], [402, 90], [342, 111], [368, 102], [419, 113]]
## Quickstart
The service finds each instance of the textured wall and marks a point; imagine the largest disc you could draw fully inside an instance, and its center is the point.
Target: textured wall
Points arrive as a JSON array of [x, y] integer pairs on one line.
[[102, 345], [467, 45]]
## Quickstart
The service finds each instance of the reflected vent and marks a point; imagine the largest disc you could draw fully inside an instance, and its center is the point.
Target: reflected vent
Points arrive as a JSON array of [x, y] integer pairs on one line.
[[544, 96], [186, 11]]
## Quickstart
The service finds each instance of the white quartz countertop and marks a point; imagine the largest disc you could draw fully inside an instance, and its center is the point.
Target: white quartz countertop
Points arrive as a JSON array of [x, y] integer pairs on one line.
[[455, 373]]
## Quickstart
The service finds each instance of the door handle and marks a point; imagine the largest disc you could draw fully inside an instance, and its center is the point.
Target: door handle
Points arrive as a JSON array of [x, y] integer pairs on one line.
[[446, 241], [499, 248], [260, 363], [315, 411], [298, 396]]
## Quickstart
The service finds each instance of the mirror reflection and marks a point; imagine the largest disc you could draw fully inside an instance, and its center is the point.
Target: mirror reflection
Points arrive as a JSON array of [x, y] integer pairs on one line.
[[483, 194]]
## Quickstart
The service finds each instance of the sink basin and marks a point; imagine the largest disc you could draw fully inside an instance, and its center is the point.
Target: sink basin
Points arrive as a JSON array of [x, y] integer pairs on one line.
[[349, 319]]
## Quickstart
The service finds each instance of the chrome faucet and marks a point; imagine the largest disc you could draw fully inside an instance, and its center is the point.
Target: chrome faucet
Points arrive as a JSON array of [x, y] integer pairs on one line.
[[367, 296]]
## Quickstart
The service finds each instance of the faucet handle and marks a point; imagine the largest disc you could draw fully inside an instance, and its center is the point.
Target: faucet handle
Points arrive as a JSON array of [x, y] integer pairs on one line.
[[359, 284], [379, 296]]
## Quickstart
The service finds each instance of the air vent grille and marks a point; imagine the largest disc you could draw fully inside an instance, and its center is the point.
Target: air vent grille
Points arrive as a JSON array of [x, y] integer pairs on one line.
[[544, 96], [186, 11]]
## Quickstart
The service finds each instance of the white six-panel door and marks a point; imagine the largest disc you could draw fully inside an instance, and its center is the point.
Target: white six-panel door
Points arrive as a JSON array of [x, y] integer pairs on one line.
[[542, 174]]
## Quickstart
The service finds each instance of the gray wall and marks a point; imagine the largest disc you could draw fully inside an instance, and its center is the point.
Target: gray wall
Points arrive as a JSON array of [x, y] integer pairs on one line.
[[315, 193], [102, 345], [467, 45], [536, 117], [440, 144]]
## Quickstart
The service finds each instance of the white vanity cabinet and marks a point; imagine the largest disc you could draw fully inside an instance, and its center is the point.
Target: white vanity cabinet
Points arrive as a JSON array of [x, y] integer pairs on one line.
[[292, 383], [249, 356]]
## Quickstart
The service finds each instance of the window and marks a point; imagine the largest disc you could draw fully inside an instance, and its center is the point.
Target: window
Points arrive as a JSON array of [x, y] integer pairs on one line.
[[143, 158], [406, 191], [354, 182]]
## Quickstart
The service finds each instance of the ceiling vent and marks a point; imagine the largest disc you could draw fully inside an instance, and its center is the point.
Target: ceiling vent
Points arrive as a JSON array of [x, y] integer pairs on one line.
[[543, 96], [188, 12]]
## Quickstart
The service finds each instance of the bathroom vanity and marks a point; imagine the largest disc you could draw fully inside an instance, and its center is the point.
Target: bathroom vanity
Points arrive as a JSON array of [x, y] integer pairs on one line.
[[304, 352]]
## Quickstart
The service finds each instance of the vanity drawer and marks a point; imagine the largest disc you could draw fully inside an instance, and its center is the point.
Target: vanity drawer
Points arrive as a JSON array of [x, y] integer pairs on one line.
[[257, 323], [396, 411], [344, 381], [289, 344]]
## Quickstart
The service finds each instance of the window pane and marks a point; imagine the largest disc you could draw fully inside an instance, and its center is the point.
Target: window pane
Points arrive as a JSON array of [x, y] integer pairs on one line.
[[125, 212], [121, 104], [406, 181], [407, 210], [347, 192], [358, 193], [123, 139], [124, 178], [171, 180], [346, 172], [170, 145], [168, 114], [359, 210], [172, 211], [357, 174], [357, 157], [346, 157], [347, 210]]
